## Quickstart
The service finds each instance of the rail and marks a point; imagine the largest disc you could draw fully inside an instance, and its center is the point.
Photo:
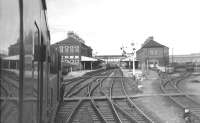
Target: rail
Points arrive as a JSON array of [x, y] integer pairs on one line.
[[147, 118], [178, 101]]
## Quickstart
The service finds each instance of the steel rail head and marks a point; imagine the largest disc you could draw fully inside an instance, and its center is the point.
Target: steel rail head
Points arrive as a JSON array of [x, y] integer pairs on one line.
[[100, 115], [176, 82], [79, 82], [133, 104], [93, 89], [125, 114], [71, 116], [78, 90], [116, 116]]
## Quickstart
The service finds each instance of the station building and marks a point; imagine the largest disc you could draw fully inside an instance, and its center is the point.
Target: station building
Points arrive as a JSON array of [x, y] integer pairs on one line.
[[75, 53], [152, 54]]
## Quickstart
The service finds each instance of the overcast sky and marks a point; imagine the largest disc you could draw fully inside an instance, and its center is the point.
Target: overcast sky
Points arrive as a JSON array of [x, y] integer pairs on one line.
[[106, 25]]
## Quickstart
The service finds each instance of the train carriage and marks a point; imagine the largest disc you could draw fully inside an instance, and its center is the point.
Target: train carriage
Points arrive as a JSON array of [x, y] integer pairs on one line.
[[30, 69]]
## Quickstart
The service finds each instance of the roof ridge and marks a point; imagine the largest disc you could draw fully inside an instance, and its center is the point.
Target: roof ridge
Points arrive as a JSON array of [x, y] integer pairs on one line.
[[152, 43]]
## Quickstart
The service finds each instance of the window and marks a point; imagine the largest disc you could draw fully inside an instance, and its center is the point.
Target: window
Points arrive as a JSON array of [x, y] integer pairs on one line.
[[76, 49], [72, 61], [71, 49], [66, 49], [155, 52], [61, 49], [151, 52], [77, 61]]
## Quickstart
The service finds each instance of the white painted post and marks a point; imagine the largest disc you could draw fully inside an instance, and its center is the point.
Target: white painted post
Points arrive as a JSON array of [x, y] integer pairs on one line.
[[91, 65], [9, 64], [84, 65], [133, 66]]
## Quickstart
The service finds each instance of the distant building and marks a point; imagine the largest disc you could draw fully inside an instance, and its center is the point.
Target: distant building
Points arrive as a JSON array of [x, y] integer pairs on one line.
[[152, 54], [13, 49], [193, 58], [72, 49]]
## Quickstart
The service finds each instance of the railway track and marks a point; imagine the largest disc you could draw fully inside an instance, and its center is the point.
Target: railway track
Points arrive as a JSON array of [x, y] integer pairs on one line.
[[124, 109], [81, 111], [106, 110], [131, 113], [8, 108], [169, 85], [79, 87]]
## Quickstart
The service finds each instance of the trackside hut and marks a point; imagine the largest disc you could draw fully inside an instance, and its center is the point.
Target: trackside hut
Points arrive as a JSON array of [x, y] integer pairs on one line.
[[152, 54]]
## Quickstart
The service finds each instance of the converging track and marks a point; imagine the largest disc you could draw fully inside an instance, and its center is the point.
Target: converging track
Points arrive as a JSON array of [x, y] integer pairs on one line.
[[107, 109], [170, 85]]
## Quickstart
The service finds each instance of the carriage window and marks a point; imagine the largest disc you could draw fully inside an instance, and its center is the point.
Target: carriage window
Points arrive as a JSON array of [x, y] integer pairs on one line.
[[9, 60], [54, 61]]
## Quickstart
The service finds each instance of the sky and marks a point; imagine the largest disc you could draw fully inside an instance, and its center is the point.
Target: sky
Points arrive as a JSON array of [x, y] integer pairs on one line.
[[107, 25]]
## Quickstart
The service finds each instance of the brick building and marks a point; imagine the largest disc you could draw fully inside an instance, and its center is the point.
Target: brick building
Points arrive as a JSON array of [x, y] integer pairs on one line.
[[71, 50], [152, 54]]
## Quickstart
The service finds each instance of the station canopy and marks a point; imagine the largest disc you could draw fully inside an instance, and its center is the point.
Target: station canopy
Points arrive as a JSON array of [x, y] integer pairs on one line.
[[16, 57], [84, 58]]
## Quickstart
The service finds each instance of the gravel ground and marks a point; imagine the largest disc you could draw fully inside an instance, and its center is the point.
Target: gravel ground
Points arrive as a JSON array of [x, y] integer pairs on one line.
[[161, 107]]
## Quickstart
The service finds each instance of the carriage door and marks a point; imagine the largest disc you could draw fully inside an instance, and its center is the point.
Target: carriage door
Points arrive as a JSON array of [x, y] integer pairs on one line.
[[33, 76], [39, 57]]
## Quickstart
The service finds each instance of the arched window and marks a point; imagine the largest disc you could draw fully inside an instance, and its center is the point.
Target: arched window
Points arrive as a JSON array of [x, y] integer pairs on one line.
[[71, 49], [66, 49], [61, 49], [76, 49]]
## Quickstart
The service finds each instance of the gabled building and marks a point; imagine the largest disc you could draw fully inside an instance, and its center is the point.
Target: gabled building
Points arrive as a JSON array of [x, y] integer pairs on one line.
[[152, 54], [73, 50]]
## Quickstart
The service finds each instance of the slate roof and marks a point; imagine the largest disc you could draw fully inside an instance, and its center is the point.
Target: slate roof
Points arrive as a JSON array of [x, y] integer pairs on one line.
[[152, 43], [66, 40], [69, 39]]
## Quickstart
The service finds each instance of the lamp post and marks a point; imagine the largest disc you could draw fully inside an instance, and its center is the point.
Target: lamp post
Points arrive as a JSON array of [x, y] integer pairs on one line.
[[133, 65], [132, 44]]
